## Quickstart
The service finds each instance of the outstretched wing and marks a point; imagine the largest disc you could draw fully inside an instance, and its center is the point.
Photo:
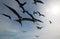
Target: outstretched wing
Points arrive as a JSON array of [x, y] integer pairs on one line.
[[6, 15], [13, 10]]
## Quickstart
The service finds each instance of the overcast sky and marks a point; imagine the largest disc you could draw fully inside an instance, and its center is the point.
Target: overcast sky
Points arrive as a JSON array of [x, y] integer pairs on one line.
[[10, 29]]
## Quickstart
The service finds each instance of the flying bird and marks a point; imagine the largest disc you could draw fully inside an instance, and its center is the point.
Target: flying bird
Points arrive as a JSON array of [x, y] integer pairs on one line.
[[16, 13], [33, 19], [37, 36], [24, 11], [28, 19], [38, 1], [21, 5], [40, 14], [34, 12], [6, 15], [50, 22], [30, 15], [24, 31], [37, 12], [19, 21], [13, 10], [39, 27]]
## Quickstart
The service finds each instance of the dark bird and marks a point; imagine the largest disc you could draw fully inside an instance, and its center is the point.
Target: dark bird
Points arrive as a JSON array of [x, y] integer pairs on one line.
[[28, 19], [24, 31], [38, 1], [37, 36], [38, 13], [24, 11], [50, 21], [6, 15], [30, 15], [21, 5], [19, 21], [13, 10], [34, 12], [33, 19], [39, 27]]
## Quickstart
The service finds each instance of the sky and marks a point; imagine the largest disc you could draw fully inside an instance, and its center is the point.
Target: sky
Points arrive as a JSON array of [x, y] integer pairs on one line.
[[10, 29]]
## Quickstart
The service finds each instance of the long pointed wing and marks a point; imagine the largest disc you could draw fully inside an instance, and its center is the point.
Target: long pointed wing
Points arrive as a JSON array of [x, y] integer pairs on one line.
[[14, 11], [33, 20], [40, 2], [6, 15]]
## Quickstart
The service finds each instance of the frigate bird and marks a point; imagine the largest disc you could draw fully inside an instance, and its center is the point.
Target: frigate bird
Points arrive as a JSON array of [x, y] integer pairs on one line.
[[24, 31], [37, 12], [40, 14], [30, 15], [39, 27], [38, 1], [20, 21], [34, 12], [13, 10], [6, 15], [37, 36], [50, 21], [21, 5], [29, 19]]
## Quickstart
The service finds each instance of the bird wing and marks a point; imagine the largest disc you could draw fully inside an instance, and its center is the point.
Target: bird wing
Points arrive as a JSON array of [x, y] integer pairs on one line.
[[13, 10], [6, 15], [30, 15], [33, 20], [40, 2]]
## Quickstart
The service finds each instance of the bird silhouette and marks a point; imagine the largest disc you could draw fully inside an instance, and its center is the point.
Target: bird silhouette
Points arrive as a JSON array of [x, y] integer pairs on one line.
[[24, 31], [37, 12], [30, 15], [39, 27], [38, 1], [28, 19], [19, 21], [50, 21], [13, 10], [37, 36], [6, 15], [21, 5], [34, 12]]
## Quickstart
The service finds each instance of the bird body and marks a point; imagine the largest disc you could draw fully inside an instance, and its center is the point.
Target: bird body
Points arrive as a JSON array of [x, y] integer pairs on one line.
[[50, 22], [21, 5], [27, 19], [39, 27], [38, 1], [37, 36]]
